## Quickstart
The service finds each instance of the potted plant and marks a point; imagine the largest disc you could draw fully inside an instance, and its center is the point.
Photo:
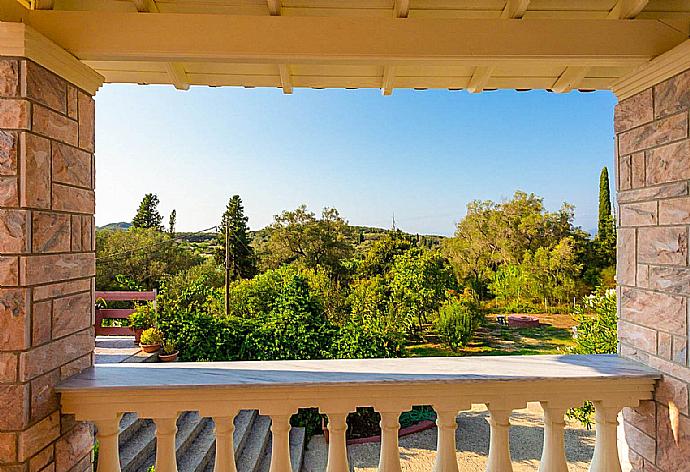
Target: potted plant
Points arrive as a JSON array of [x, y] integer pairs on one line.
[[143, 317], [169, 351], [151, 340]]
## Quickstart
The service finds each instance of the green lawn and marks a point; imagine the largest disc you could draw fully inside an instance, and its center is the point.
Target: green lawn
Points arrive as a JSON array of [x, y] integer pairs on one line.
[[553, 336]]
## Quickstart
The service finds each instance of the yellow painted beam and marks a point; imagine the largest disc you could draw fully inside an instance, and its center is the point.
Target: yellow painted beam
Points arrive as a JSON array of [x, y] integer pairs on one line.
[[273, 7], [479, 79], [343, 40], [285, 78], [20, 40], [627, 9], [515, 9], [570, 79]]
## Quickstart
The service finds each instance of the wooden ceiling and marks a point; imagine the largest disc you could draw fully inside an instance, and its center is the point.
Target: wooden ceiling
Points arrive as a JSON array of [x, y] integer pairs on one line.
[[476, 45]]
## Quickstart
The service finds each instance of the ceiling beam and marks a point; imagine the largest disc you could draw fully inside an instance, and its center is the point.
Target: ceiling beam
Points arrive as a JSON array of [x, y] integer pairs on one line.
[[627, 9], [479, 79], [178, 76], [401, 8], [285, 78], [387, 80], [570, 79], [146, 6], [179, 37], [515, 9], [273, 7], [43, 4]]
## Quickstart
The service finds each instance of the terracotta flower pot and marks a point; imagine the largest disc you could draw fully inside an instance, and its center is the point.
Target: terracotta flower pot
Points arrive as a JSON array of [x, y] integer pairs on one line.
[[137, 335], [150, 347], [168, 357]]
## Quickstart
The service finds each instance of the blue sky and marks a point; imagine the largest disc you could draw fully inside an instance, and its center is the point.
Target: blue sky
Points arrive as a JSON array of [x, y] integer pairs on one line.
[[421, 155]]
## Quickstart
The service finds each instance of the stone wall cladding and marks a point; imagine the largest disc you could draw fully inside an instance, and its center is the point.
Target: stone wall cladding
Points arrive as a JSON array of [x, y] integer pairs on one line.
[[47, 264], [653, 189]]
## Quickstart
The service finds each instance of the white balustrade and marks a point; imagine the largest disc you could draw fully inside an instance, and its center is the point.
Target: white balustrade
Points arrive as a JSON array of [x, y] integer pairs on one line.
[[553, 454], [446, 458], [278, 388], [280, 455], [109, 453], [389, 459], [166, 458], [606, 446], [337, 442], [225, 450], [499, 442]]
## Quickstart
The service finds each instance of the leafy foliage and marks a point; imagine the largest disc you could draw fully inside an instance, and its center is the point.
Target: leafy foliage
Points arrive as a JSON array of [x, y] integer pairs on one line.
[[151, 336], [147, 215], [143, 317], [597, 319], [457, 320], [597, 333], [241, 257], [419, 281], [300, 237], [143, 255]]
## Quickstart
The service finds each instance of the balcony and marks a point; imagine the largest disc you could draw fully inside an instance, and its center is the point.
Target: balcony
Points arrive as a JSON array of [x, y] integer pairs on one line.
[[278, 388]]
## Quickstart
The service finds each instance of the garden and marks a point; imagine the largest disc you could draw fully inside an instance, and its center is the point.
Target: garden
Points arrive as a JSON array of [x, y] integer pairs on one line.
[[314, 287]]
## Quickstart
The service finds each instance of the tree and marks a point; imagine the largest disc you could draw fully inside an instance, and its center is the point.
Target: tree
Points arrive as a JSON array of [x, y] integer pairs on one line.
[[171, 222], [143, 255], [147, 214], [605, 241], [419, 283], [242, 260], [299, 236], [379, 257], [493, 234]]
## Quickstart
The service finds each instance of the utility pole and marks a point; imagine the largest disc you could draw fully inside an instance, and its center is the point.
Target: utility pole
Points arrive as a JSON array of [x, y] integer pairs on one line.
[[227, 268]]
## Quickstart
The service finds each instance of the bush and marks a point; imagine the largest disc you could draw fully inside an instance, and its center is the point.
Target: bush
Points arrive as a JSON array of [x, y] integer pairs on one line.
[[151, 336], [597, 319], [362, 338], [457, 321], [143, 317], [597, 333]]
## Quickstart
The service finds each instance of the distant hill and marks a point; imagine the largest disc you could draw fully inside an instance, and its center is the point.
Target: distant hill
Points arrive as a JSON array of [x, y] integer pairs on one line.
[[121, 226], [367, 233]]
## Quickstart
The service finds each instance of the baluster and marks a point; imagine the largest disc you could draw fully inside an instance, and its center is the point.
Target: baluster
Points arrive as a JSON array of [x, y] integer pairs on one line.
[[606, 446], [553, 454], [166, 460], [109, 450], [337, 444], [389, 460], [499, 443], [225, 450], [280, 457], [446, 460]]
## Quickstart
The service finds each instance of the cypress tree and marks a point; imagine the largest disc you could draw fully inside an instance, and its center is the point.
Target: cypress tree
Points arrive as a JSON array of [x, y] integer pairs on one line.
[[242, 257], [605, 216], [606, 231], [147, 214], [172, 221]]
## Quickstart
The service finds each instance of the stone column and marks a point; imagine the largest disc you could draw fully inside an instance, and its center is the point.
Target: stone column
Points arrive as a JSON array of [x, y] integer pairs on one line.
[[653, 174], [47, 264]]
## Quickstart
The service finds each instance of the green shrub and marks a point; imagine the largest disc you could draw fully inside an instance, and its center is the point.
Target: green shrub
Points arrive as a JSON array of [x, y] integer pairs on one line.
[[597, 333], [151, 336], [597, 319], [366, 337], [457, 321], [143, 317]]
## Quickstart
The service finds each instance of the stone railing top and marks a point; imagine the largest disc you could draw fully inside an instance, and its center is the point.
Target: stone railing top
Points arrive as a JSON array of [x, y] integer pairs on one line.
[[443, 370]]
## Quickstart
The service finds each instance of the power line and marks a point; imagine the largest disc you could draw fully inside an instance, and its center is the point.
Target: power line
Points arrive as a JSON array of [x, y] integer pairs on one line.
[[112, 257]]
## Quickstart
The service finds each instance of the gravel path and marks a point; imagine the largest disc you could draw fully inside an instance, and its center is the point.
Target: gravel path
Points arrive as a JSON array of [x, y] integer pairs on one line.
[[417, 451]]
